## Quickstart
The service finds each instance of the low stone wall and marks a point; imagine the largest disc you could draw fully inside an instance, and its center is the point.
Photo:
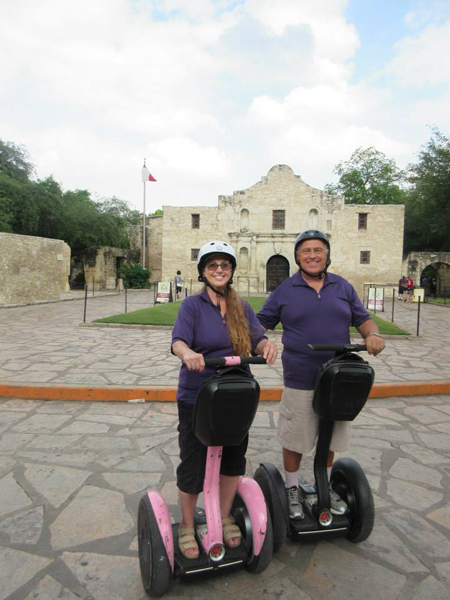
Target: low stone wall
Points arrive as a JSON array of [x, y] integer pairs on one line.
[[32, 269]]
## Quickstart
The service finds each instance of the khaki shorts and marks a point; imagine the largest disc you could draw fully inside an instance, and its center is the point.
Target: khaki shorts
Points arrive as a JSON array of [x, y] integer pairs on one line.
[[298, 424]]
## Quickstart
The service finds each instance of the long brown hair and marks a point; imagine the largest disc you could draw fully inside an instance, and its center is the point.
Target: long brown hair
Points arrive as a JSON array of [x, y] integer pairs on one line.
[[237, 323]]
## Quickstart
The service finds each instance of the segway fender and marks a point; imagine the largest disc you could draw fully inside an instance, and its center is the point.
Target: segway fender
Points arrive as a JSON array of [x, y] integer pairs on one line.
[[253, 498], [163, 520]]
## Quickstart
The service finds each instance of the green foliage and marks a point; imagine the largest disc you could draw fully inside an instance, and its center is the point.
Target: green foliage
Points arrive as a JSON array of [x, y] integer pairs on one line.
[[15, 161], [427, 219], [369, 177], [42, 208], [135, 276]]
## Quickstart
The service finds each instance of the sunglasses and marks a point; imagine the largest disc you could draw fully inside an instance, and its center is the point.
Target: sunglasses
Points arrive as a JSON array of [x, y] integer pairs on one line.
[[225, 266]]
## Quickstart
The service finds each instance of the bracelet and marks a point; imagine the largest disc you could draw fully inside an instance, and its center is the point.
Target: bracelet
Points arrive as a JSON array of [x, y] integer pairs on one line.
[[375, 334]]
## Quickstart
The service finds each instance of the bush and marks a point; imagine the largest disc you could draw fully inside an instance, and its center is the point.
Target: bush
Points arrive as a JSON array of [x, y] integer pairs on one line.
[[135, 276]]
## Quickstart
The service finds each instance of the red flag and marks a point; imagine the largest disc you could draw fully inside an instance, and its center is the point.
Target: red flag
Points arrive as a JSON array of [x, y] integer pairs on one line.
[[146, 175]]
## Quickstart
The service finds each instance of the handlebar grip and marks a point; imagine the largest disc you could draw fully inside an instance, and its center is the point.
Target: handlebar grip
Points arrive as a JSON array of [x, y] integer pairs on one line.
[[228, 361], [338, 347]]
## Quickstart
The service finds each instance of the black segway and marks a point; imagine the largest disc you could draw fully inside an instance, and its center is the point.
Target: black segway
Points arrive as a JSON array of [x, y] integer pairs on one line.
[[224, 411], [342, 388]]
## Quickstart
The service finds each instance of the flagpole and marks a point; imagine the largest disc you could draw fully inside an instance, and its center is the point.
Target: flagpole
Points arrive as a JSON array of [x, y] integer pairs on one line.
[[143, 230]]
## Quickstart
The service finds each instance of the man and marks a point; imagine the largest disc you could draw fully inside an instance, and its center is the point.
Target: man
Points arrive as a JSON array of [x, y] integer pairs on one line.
[[313, 306]]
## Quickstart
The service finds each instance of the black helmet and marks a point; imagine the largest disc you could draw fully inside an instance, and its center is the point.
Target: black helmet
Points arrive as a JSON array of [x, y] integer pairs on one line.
[[313, 234]]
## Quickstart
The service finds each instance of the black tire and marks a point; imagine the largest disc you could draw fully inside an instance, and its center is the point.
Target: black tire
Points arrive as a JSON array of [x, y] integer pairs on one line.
[[258, 564], [269, 482], [156, 572], [350, 482]]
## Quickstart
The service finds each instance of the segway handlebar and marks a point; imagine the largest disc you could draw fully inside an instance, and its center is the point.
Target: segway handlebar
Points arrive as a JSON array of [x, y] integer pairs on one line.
[[231, 361], [338, 347]]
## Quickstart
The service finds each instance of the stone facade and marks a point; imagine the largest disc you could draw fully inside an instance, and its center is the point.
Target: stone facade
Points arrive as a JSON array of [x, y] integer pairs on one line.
[[153, 244], [100, 266], [32, 269], [262, 223], [416, 262]]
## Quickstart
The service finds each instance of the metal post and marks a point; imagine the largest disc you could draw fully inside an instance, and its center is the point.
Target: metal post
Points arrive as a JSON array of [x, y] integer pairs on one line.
[[383, 301], [418, 316], [393, 304], [93, 286], [143, 232], [126, 302], [375, 302], [85, 302]]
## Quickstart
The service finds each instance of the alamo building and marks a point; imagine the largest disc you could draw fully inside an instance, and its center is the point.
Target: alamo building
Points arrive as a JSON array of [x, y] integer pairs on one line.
[[262, 223]]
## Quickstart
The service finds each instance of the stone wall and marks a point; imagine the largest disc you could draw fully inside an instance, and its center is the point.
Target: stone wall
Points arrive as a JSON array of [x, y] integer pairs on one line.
[[245, 219], [32, 269], [101, 265], [153, 244]]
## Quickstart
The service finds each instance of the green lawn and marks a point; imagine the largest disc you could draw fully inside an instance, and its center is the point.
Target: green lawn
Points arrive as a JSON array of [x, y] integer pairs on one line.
[[165, 314], [442, 301]]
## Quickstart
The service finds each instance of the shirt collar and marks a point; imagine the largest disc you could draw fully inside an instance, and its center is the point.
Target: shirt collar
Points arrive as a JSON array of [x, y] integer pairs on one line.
[[298, 279]]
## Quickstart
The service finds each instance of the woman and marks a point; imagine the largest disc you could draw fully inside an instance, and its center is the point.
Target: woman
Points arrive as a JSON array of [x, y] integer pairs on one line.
[[216, 322]]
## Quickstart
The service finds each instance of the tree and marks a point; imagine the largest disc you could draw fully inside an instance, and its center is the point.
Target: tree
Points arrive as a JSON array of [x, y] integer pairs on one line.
[[135, 275], [369, 177], [427, 219], [15, 161]]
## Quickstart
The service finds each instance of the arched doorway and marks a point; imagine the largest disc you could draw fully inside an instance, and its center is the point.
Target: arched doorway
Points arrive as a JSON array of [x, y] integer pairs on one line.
[[277, 270]]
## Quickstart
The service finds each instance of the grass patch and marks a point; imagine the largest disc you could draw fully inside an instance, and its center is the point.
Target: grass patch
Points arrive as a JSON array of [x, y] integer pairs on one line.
[[165, 314], [441, 301]]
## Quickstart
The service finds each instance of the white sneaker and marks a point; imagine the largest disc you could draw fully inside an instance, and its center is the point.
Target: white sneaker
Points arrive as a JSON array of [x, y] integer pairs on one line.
[[338, 506], [295, 503]]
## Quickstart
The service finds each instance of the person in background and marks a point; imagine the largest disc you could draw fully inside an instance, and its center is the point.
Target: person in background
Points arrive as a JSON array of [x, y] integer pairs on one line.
[[410, 290], [178, 284], [216, 322], [313, 306]]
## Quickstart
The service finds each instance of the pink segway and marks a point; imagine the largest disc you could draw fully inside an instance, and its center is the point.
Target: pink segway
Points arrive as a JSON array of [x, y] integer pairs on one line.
[[224, 411]]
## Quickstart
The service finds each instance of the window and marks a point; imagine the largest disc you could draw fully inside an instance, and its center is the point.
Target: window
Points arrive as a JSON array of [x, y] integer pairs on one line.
[[362, 220], [278, 219], [195, 221], [194, 253], [364, 257]]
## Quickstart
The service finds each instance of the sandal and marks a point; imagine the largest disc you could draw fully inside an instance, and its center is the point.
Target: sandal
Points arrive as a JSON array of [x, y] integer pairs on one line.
[[231, 531], [187, 541]]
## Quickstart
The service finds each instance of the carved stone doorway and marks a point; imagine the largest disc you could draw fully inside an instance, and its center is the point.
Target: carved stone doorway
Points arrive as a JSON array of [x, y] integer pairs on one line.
[[277, 270]]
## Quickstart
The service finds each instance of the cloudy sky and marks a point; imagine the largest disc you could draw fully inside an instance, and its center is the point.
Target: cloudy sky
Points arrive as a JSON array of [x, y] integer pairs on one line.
[[213, 93]]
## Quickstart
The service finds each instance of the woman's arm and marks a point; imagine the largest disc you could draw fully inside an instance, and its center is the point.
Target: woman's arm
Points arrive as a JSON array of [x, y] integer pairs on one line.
[[192, 360]]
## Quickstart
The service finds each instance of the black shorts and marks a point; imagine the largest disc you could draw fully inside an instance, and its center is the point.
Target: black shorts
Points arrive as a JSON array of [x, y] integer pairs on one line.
[[191, 470]]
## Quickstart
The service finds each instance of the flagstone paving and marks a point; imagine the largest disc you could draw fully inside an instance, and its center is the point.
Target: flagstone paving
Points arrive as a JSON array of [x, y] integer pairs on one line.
[[69, 496], [44, 344]]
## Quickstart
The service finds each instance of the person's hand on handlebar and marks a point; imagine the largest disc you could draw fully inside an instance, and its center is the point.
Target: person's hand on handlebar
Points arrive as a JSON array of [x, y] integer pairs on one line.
[[374, 344], [267, 350], [192, 360]]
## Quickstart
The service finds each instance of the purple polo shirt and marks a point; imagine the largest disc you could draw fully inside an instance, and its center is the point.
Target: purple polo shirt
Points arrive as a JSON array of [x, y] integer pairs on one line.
[[200, 325], [309, 317]]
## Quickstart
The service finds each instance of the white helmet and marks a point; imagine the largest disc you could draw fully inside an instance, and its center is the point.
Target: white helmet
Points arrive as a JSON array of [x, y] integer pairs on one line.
[[214, 247]]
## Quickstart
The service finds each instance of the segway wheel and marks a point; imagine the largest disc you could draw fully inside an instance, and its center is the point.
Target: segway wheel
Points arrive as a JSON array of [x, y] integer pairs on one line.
[[154, 562], [350, 482], [258, 564], [274, 490]]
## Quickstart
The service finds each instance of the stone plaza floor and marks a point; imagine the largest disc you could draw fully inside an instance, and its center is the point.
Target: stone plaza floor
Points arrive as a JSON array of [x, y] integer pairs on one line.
[[72, 474]]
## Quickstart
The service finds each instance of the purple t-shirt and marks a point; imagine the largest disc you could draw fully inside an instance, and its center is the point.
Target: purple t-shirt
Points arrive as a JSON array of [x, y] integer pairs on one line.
[[200, 325], [309, 317]]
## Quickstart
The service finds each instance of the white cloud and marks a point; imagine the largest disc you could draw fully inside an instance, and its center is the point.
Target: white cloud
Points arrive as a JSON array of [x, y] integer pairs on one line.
[[212, 93], [422, 59]]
